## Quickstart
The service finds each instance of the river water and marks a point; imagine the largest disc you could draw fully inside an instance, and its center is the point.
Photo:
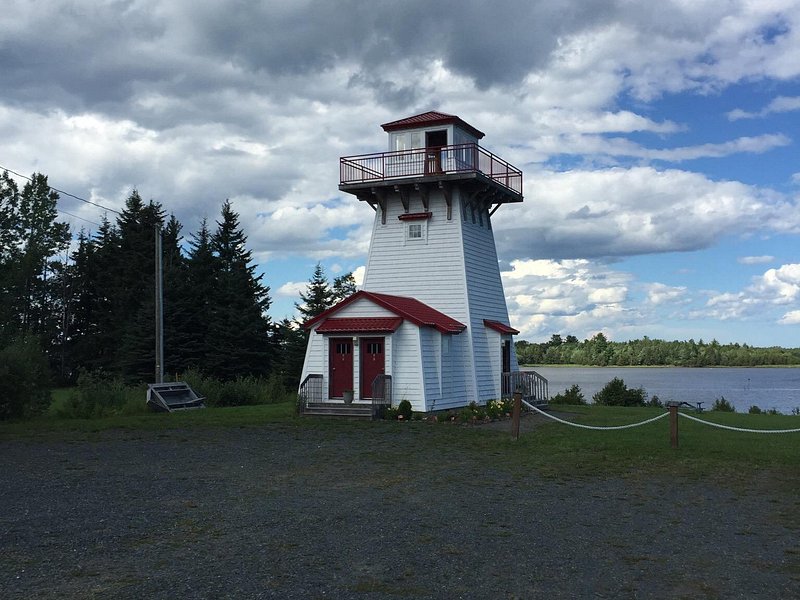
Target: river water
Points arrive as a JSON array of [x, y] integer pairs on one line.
[[767, 388]]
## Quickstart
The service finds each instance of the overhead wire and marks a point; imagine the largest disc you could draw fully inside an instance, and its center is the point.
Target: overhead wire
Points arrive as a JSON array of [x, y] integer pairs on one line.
[[2, 168]]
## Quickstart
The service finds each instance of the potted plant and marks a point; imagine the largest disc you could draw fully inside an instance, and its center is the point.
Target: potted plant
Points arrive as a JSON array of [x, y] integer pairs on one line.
[[347, 396]]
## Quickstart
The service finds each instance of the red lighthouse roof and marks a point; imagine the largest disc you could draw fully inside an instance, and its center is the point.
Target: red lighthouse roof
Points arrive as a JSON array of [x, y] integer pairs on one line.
[[431, 118]]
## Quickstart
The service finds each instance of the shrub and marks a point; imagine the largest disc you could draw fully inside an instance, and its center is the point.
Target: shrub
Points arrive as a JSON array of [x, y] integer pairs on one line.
[[722, 405], [754, 410], [244, 390], [655, 402], [99, 394], [616, 393], [24, 379], [404, 410], [573, 396]]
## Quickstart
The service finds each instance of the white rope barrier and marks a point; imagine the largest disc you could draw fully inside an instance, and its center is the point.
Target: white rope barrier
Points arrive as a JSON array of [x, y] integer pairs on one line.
[[728, 427], [594, 427]]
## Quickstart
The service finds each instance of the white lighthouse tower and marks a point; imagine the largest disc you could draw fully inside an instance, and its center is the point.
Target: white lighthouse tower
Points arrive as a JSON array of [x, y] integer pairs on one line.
[[430, 323]]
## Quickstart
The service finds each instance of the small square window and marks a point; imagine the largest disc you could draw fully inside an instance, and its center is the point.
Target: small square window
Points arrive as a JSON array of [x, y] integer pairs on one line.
[[415, 231]]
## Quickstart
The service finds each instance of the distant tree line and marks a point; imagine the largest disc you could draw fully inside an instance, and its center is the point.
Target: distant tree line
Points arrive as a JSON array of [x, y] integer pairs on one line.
[[89, 305], [599, 351]]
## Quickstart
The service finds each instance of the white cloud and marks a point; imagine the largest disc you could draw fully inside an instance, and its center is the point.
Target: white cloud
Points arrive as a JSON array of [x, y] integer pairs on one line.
[[754, 260], [549, 296], [358, 275], [659, 293], [790, 318], [775, 288], [291, 289], [621, 212], [780, 104]]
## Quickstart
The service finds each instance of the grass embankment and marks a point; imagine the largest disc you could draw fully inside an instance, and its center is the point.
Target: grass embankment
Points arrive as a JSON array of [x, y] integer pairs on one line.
[[550, 449]]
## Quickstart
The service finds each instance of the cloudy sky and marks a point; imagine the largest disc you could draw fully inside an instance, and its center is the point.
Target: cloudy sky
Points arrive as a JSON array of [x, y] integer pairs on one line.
[[658, 140]]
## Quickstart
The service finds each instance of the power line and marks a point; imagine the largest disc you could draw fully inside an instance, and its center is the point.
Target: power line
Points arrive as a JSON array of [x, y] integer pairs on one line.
[[61, 210], [64, 193]]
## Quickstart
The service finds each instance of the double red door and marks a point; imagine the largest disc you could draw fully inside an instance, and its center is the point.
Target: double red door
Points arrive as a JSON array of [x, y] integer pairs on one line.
[[371, 360]]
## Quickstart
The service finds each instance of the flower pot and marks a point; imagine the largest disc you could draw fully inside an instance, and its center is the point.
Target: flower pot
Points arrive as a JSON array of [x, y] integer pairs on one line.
[[347, 396]]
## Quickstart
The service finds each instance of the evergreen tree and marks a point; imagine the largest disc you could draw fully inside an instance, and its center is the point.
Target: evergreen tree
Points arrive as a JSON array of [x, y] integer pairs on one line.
[[343, 286], [32, 238], [290, 342], [133, 290], [318, 296], [190, 344], [239, 327], [178, 328], [9, 248]]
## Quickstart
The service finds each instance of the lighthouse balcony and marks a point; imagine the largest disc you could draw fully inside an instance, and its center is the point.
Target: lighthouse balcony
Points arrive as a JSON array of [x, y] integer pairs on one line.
[[460, 161]]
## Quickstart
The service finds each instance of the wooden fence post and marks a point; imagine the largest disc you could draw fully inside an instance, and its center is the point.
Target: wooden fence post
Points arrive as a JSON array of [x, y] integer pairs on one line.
[[515, 413], [673, 424]]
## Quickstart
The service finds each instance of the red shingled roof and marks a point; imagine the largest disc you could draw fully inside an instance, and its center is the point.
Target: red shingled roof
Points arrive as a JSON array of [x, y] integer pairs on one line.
[[431, 119], [501, 327], [412, 309], [360, 325]]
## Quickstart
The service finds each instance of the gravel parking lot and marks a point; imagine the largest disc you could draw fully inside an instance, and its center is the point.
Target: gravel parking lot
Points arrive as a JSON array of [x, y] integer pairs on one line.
[[367, 511]]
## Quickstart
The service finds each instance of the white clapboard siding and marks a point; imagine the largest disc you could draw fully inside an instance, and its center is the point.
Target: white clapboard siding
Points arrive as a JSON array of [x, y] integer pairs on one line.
[[407, 367], [429, 270]]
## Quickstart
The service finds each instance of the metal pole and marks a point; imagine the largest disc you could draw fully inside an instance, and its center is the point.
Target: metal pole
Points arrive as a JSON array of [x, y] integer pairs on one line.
[[159, 278]]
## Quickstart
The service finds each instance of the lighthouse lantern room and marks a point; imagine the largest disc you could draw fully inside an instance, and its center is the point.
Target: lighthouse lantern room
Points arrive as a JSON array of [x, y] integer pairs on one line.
[[430, 323]]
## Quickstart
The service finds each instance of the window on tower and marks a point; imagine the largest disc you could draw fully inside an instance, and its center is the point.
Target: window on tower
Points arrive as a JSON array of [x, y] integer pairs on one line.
[[416, 232]]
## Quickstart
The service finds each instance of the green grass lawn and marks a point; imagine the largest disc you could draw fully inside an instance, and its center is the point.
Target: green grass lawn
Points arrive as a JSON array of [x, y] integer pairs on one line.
[[552, 449]]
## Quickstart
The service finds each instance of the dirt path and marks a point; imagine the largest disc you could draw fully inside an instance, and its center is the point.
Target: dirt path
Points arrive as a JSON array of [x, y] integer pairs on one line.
[[373, 512]]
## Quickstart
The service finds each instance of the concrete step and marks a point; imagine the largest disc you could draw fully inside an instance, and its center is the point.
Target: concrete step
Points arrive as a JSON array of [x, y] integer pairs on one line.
[[336, 409]]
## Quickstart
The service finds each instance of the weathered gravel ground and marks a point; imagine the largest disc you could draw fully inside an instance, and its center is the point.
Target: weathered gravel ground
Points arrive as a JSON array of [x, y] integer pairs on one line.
[[282, 511]]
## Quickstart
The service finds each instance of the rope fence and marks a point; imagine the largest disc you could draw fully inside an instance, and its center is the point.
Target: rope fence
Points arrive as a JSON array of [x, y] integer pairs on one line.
[[672, 413], [743, 429], [594, 427]]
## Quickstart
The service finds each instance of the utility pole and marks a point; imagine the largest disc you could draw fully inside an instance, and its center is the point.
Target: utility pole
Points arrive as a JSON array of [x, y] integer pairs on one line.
[[159, 277]]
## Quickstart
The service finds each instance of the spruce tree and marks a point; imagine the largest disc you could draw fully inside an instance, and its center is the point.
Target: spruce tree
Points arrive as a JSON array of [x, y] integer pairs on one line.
[[191, 345], [133, 300], [318, 296], [239, 329], [343, 286], [290, 343]]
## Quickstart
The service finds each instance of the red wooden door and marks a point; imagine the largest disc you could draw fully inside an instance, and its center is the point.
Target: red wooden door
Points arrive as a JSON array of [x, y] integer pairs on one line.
[[340, 361], [372, 363]]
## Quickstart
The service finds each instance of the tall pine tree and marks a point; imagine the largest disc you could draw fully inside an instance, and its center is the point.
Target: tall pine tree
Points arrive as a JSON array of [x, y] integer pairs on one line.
[[239, 329], [318, 296]]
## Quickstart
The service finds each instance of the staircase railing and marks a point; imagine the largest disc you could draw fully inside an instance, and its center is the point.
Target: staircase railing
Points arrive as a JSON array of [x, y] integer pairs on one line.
[[310, 390], [534, 387], [381, 393]]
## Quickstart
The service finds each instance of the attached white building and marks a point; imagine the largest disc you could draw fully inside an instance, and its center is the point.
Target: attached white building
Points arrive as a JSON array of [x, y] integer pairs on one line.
[[430, 324]]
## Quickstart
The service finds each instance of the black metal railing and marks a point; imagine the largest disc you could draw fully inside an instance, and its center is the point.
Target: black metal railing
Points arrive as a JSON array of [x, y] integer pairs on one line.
[[311, 390], [417, 162], [533, 386], [381, 393]]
